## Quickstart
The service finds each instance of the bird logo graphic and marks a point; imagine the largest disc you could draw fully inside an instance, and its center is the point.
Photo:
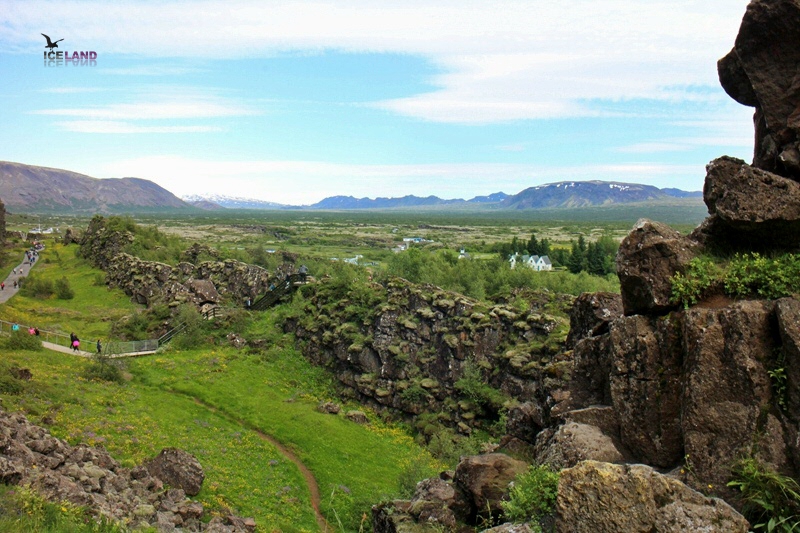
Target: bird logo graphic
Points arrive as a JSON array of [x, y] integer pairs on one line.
[[50, 44]]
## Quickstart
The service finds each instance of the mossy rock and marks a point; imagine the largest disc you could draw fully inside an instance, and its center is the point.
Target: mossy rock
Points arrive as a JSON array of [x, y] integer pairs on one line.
[[445, 303], [451, 340], [426, 312], [484, 363], [429, 383], [382, 393], [561, 370], [356, 347], [519, 361], [394, 349], [409, 324]]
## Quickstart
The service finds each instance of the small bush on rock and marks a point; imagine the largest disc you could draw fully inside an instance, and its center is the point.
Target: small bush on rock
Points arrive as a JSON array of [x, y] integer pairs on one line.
[[690, 287], [771, 500], [532, 496]]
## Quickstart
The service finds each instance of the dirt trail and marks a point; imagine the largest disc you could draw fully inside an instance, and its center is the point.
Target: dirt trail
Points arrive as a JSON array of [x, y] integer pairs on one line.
[[313, 487]]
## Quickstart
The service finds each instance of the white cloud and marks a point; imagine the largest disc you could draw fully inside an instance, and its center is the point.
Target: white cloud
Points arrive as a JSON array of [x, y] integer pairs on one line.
[[153, 104], [314, 180], [110, 126], [70, 90], [150, 111], [151, 70], [500, 59]]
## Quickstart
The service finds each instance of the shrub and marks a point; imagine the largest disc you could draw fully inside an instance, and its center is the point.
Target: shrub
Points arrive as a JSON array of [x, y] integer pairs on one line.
[[415, 395], [771, 500], [35, 287], [104, 369], [532, 496], [690, 287], [22, 340], [63, 290], [472, 386], [754, 274], [191, 336]]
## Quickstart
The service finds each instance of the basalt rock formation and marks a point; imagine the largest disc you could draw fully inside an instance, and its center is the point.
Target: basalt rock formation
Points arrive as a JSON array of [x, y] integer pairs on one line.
[[689, 392], [150, 282], [410, 348], [692, 390], [761, 72], [141, 497]]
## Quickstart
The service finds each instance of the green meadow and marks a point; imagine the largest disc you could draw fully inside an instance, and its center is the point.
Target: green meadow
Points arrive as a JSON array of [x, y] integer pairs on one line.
[[217, 403]]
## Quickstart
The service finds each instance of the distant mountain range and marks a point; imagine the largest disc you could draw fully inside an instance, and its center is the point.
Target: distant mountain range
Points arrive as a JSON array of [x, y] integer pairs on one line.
[[221, 201], [41, 189], [573, 194], [27, 188]]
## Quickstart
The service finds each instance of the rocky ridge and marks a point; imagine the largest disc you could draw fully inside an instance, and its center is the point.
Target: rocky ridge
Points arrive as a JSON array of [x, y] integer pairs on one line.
[[152, 495], [688, 392], [202, 283], [406, 347]]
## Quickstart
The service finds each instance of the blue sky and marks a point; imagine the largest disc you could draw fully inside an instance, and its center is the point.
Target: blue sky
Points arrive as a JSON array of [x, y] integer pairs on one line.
[[294, 101]]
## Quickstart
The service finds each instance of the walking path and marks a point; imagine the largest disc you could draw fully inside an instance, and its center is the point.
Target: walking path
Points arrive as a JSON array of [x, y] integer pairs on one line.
[[311, 481], [9, 289]]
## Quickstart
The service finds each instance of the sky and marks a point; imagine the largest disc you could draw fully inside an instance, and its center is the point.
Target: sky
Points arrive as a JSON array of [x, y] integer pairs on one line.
[[295, 101]]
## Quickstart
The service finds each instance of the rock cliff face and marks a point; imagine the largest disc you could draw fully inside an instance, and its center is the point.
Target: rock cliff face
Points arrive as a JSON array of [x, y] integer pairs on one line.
[[689, 391], [149, 282], [406, 347]]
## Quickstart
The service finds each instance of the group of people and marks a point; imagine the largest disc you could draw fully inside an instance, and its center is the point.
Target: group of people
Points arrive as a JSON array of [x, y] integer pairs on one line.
[[32, 330]]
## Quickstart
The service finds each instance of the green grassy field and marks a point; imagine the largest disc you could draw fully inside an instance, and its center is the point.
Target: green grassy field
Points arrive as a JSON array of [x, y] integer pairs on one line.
[[215, 403]]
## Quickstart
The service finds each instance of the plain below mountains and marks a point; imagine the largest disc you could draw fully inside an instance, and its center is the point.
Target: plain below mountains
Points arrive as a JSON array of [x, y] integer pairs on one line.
[[28, 188]]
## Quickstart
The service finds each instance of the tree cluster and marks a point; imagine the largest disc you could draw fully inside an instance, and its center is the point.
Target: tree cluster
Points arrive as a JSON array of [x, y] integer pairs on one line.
[[593, 257]]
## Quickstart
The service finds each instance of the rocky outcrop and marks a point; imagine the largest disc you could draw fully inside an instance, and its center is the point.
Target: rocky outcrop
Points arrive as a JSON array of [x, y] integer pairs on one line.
[[590, 315], [456, 502], [482, 481], [598, 497], [761, 71], [90, 477], [647, 258], [405, 347], [178, 469], [750, 209], [151, 282]]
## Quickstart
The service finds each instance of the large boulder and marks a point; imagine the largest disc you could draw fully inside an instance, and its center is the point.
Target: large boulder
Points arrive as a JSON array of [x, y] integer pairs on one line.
[[647, 258], [574, 442], [761, 71], [595, 497], [203, 290], [751, 208], [177, 469], [482, 481]]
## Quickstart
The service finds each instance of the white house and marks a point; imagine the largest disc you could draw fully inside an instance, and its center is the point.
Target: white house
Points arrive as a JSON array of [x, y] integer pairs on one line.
[[535, 262]]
